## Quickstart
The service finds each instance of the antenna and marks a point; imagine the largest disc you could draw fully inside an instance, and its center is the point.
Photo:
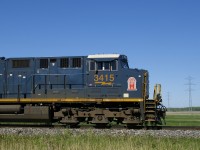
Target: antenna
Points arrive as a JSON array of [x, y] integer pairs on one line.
[[189, 78]]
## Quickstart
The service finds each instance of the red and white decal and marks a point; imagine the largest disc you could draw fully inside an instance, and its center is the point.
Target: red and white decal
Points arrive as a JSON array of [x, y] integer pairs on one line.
[[131, 84]]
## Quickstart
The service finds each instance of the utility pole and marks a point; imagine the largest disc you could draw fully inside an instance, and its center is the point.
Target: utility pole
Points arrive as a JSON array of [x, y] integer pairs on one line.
[[189, 78]]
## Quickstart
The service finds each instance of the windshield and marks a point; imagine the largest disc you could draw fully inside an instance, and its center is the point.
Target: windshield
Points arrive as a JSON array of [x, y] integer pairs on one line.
[[124, 64]]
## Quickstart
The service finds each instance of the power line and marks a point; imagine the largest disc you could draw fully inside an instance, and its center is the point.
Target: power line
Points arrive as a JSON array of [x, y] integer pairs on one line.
[[189, 78]]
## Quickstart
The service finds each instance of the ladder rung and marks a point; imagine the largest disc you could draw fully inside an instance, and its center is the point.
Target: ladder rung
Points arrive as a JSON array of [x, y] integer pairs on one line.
[[150, 103], [150, 111], [150, 120]]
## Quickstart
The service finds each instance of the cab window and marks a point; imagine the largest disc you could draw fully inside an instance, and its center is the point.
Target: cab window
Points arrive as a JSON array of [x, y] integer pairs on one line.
[[103, 66], [100, 65], [124, 63], [92, 66], [114, 65], [106, 66]]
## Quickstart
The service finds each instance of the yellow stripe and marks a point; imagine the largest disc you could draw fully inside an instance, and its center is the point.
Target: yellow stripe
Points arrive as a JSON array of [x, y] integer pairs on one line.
[[66, 100], [123, 100], [104, 83]]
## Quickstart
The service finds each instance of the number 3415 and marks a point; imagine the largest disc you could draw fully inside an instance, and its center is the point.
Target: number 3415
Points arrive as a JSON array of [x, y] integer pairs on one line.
[[104, 77]]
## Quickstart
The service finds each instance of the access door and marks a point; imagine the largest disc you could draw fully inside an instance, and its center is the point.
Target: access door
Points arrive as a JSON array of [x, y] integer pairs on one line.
[[101, 79]]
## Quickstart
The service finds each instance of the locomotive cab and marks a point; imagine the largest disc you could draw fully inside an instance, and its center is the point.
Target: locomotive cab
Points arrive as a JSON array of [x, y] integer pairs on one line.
[[111, 77]]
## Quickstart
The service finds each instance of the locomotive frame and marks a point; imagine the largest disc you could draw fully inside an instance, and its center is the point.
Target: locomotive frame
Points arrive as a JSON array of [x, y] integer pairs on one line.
[[96, 89]]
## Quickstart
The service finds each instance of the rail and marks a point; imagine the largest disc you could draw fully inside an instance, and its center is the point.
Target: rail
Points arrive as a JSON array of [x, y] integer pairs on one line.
[[117, 127]]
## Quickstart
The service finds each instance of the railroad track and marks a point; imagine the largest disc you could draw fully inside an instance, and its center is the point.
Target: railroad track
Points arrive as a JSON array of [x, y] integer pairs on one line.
[[94, 127]]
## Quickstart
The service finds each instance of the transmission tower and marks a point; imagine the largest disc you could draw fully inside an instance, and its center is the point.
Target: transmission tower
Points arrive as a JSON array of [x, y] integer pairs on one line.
[[189, 78]]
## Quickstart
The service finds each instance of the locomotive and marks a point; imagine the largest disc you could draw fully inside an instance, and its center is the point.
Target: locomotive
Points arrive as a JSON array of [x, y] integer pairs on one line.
[[97, 89]]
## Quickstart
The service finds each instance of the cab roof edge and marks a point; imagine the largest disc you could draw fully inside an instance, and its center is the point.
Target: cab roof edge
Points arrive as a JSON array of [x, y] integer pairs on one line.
[[104, 56]]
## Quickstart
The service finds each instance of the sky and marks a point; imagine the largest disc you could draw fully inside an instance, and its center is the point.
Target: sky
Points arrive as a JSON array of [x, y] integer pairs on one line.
[[161, 36]]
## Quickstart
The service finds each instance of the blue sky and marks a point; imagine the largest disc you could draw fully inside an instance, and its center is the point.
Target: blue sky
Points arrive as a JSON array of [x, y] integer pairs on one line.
[[162, 36]]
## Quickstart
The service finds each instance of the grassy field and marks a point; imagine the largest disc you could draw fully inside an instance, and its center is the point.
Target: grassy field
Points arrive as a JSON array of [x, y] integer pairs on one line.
[[95, 142], [183, 118]]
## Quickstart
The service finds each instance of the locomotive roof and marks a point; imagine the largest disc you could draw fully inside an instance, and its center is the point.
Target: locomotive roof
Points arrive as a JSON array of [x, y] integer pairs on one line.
[[104, 56], [95, 56]]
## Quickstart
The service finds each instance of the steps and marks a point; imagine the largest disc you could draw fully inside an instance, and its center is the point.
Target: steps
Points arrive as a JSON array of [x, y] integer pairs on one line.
[[150, 112]]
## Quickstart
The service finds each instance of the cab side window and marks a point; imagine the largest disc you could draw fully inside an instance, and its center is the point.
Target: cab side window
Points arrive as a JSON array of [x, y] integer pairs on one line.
[[114, 65], [106, 66], [92, 66], [103, 66], [100, 65]]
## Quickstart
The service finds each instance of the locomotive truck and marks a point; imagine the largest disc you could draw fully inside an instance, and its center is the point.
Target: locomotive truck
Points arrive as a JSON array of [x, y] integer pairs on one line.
[[97, 89]]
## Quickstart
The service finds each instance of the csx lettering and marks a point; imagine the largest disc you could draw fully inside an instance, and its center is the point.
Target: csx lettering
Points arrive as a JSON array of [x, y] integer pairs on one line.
[[105, 78]]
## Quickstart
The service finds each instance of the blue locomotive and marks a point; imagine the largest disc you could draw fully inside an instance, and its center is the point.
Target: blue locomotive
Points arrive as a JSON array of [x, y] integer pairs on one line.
[[96, 89]]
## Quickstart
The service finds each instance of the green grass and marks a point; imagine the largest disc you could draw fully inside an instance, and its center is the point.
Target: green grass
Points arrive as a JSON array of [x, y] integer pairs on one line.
[[183, 120], [95, 142]]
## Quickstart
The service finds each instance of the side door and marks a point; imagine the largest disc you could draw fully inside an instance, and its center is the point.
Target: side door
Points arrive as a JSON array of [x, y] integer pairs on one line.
[[53, 73], [101, 79]]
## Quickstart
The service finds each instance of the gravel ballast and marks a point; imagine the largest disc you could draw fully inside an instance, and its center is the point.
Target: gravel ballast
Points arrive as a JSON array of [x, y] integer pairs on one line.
[[110, 132]]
